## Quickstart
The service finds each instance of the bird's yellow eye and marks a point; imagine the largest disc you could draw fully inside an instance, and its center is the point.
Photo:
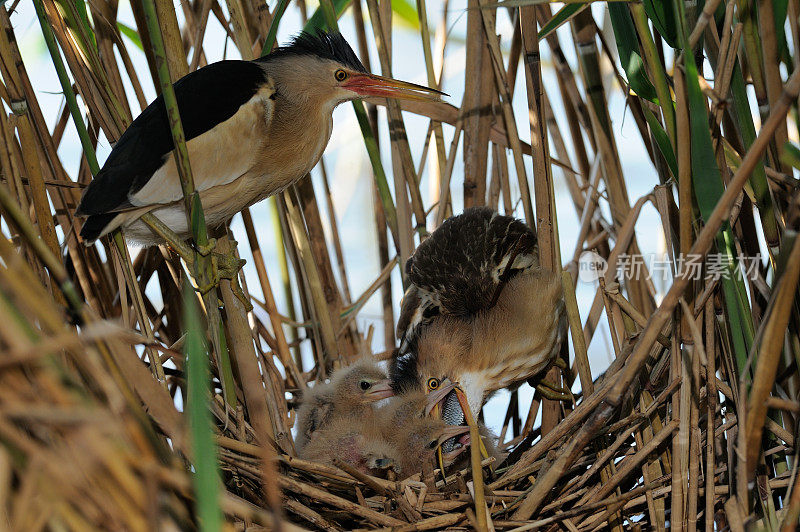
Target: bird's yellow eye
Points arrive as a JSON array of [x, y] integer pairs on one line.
[[340, 75], [433, 383]]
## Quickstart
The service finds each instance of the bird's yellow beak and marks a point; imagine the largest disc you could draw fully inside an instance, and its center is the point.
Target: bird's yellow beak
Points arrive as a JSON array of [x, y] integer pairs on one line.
[[371, 85], [380, 390], [436, 397], [434, 407]]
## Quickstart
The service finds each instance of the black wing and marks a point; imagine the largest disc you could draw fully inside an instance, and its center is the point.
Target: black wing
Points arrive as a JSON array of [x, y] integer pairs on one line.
[[206, 97]]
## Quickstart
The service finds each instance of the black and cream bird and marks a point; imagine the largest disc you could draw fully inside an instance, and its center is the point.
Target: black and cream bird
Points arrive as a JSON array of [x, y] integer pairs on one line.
[[479, 315], [252, 129]]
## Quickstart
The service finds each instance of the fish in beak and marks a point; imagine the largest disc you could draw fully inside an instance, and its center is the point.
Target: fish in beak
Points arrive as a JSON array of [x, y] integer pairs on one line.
[[380, 390], [440, 404], [370, 85], [461, 434]]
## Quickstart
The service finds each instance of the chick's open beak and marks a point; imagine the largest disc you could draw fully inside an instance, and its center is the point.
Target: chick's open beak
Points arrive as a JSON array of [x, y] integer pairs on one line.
[[380, 390], [451, 431], [371, 85]]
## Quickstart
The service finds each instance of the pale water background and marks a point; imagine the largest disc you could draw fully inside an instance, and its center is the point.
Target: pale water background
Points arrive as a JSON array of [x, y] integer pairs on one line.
[[350, 171]]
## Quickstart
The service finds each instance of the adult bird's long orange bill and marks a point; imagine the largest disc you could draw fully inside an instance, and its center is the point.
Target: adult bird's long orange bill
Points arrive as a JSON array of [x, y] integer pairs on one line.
[[434, 407], [371, 85]]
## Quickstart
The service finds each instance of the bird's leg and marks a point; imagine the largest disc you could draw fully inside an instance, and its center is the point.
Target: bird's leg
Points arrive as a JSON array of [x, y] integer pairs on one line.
[[172, 239], [225, 265], [554, 393], [208, 248]]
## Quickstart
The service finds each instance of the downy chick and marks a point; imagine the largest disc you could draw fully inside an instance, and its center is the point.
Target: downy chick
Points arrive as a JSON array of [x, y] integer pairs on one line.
[[352, 390], [413, 435], [356, 440]]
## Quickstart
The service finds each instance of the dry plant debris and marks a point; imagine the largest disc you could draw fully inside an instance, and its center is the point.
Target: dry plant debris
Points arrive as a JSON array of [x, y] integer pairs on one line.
[[693, 424]]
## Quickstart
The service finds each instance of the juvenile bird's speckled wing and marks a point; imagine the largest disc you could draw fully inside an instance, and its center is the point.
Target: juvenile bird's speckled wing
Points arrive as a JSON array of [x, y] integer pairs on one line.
[[461, 268]]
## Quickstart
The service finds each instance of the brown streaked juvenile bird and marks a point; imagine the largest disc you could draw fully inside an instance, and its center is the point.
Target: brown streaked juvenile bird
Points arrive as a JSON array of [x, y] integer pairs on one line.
[[480, 314], [365, 442], [352, 391], [252, 129]]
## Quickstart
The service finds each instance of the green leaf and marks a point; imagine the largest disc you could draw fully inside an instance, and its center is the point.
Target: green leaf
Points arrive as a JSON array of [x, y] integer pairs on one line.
[[790, 155], [317, 20], [524, 3], [74, 13], [66, 85], [661, 14], [563, 15], [206, 476], [272, 34], [662, 141], [779, 10], [406, 13], [628, 46], [758, 180], [131, 34], [706, 176], [321, 19], [708, 189], [80, 6]]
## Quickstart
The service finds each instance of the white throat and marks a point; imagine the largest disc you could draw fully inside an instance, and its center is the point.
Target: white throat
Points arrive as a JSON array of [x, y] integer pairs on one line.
[[474, 387]]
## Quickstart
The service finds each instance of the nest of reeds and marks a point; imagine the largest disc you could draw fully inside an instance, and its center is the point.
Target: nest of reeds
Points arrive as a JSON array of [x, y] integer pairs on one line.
[[128, 403]]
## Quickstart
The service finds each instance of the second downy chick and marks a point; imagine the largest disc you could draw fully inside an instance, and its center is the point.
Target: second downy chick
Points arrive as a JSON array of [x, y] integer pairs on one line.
[[412, 435], [352, 390], [356, 440]]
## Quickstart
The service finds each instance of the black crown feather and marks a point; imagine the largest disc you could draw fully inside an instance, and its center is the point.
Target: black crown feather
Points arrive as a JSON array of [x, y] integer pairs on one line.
[[325, 45]]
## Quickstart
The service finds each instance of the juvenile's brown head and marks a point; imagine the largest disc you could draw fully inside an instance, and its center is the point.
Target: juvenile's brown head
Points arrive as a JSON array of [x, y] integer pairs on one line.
[[416, 442], [360, 384]]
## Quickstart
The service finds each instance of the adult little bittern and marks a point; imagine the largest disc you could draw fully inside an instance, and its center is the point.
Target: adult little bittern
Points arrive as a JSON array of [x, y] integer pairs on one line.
[[252, 129], [480, 315], [351, 392]]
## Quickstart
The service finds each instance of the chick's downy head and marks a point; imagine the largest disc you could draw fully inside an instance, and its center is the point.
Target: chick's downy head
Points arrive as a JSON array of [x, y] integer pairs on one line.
[[362, 383]]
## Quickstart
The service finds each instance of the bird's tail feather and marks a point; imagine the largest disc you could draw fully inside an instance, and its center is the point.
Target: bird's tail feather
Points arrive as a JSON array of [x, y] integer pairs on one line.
[[94, 225]]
